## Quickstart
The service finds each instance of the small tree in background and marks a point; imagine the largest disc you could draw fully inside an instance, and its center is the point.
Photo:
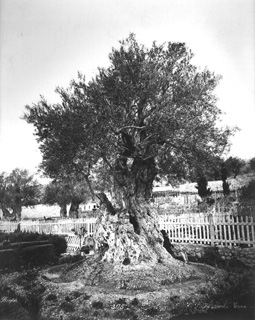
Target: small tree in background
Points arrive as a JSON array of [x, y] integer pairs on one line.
[[233, 165], [252, 164], [18, 189], [56, 193], [225, 184], [202, 189], [248, 192], [64, 192]]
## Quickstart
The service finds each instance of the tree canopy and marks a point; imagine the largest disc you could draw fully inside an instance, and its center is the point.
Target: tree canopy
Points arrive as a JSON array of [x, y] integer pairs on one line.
[[151, 111], [63, 192], [18, 189]]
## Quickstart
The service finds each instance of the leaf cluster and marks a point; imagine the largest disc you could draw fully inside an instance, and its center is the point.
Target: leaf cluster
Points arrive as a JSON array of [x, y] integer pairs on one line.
[[150, 104], [19, 188]]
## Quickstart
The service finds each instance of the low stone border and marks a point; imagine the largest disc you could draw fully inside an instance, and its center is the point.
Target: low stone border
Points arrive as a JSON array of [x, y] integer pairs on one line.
[[198, 252]]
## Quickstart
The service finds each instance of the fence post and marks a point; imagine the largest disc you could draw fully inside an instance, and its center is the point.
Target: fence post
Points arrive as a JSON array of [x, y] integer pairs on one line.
[[212, 235]]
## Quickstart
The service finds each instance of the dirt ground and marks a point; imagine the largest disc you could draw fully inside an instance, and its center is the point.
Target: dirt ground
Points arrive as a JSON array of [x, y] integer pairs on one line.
[[87, 288], [91, 289]]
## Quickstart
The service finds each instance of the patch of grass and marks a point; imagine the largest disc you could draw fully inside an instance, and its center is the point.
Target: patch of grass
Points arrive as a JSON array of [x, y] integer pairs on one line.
[[121, 301], [76, 294], [74, 317], [51, 297], [135, 302], [86, 296], [96, 313], [67, 298], [152, 311], [166, 282], [174, 299], [67, 306], [125, 314], [97, 304]]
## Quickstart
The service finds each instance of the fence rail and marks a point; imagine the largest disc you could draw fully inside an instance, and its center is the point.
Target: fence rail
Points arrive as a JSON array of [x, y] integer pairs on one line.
[[226, 230], [66, 226]]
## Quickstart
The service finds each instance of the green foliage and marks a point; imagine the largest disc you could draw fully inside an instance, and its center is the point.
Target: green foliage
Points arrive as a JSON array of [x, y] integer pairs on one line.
[[30, 256], [18, 189], [248, 166], [64, 191], [21, 292], [125, 314], [203, 191], [226, 188], [135, 302], [233, 165], [38, 255], [9, 260], [248, 192], [121, 301], [58, 242], [51, 297], [97, 304], [152, 311], [67, 306], [212, 257], [252, 164], [151, 111]]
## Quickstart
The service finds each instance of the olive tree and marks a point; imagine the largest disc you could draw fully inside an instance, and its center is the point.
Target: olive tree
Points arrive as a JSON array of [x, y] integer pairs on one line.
[[151, 111], [18, 189]]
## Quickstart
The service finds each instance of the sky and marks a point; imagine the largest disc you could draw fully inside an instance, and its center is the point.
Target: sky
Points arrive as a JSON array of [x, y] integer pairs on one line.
[[43, 45]]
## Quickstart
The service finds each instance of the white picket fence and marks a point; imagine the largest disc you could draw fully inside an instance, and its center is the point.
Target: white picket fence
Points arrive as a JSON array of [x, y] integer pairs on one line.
[[65, 226], [226, 230]]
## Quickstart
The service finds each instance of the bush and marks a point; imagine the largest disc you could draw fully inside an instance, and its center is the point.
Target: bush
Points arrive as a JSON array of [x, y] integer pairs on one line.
[[248, 192], [51, 297], [37, 255], [212, 257], [151, 311], [9, 259], [67, 306], [57, 241], [97, 304]]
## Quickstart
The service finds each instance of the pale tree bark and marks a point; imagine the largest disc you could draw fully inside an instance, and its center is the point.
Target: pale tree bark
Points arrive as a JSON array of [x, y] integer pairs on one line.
[[73, 211], [17, 211], [6, 212], [131, 235], [63, 210]]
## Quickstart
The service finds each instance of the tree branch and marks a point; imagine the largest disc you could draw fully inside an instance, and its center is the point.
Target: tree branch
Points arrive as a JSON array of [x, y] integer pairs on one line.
[[129, 127]]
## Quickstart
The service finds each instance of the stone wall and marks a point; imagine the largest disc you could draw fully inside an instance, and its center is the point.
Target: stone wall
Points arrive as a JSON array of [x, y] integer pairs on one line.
[[216, 255]]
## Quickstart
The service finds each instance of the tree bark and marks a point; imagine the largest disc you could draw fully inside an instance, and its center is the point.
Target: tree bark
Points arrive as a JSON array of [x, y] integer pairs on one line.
[[63, 210], [86, 176], [73, 211], [17, 211], [6, 212], [131, 235]]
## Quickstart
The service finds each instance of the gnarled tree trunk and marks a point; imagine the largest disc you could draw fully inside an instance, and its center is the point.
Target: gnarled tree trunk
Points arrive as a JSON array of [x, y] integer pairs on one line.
[[6, 213], [131, 235]]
